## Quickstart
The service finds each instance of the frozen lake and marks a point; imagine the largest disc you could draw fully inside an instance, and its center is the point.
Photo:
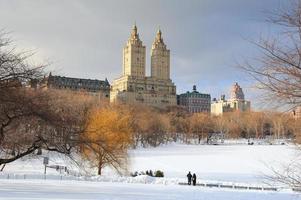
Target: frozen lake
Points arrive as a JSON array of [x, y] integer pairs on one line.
[[234, 163], [214, 162]]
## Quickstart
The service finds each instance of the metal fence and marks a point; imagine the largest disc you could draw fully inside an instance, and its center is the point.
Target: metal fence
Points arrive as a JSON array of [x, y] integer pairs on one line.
[[40, 177], [235, 186]]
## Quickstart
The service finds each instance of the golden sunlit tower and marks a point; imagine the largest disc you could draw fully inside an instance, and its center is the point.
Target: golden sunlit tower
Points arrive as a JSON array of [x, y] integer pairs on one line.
[[160, 58], [134, 87], [134, 56]]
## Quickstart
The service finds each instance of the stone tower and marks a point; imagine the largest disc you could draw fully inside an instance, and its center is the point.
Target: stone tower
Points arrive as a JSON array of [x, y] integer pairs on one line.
[[134, 87], [160, 58], [134, 56]]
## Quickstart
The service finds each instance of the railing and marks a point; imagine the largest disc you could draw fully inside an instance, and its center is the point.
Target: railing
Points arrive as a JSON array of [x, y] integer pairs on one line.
[[235, 186], [40, 177]]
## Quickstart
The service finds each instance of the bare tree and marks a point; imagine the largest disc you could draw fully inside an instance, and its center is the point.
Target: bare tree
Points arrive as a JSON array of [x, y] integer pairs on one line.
[[201, 125], [278, 73], [51, 120], [287, 175], [278, 70], [15, 67], [33, 119], [14, 70], [280, 124]]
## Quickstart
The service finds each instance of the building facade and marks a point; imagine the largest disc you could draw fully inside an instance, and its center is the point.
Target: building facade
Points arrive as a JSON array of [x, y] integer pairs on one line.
[[236, 102], [134, 86], [94, 87], [195, 102]]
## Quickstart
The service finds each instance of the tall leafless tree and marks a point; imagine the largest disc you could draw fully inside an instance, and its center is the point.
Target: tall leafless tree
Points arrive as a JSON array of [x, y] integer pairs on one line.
[[278, 73], [278, 70], [32, 119]]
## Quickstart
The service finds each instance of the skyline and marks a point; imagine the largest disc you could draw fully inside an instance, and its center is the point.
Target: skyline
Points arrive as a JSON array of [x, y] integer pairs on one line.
[[84, 39]]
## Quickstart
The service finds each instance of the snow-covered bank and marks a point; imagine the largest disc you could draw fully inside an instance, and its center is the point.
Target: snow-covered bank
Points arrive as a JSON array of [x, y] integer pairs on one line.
[[47, 190], [222, 164], [232, 163]]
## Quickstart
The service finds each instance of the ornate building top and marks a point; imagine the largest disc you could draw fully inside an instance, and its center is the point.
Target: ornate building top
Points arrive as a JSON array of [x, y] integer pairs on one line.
[[158, 43], [134, 37], [134, 55], [236, 93]]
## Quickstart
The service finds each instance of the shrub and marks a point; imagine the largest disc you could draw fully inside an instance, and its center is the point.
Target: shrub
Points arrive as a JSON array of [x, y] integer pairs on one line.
[[134, 174], [159, 173]]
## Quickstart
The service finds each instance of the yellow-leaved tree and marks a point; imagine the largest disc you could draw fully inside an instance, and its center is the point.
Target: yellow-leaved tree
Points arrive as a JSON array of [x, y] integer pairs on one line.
[[107, 138]]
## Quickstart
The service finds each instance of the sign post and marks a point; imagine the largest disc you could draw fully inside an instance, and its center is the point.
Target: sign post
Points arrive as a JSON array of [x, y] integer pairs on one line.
[[45, 162]]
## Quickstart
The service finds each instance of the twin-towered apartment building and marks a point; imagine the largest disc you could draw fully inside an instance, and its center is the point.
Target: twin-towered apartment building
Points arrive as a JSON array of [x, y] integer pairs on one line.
[[134, 86], [157, 90]]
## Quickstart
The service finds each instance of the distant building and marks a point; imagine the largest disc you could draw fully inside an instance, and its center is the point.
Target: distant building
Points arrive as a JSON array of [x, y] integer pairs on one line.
[[236, 102], [94, 87], [220, 106], [236, 93], [195, 102]]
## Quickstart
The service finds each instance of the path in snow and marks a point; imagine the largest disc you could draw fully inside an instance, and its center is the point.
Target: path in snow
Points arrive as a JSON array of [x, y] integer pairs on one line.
[[54, 190]]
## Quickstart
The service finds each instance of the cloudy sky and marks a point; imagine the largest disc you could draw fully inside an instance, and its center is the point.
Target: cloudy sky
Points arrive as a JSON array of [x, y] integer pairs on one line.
[[84, 38]]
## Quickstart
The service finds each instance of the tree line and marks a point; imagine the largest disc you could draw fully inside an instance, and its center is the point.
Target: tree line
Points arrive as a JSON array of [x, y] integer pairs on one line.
[[152, 127]]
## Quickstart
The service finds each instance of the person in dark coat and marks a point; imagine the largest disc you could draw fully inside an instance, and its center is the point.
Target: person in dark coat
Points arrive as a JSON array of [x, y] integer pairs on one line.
[[189, 176], [194, 179]]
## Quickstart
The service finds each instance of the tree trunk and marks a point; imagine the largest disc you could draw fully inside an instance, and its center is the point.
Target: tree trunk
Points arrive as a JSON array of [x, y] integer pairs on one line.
[[99, 167], [1, 170], [99, 170]]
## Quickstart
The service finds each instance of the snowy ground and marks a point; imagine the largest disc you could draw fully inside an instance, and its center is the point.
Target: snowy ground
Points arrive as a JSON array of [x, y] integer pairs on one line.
[[222, 163], [37, 190], [209, 162], [245, 163]]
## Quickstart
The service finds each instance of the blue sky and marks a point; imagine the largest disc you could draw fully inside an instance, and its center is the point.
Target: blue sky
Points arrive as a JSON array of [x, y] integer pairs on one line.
[[85, 38]]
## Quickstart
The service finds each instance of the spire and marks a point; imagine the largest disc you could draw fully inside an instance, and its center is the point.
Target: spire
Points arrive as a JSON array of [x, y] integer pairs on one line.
[[134, 33], [158, 42], [107, 82], [159, 31], [135, 28], [159, 36]]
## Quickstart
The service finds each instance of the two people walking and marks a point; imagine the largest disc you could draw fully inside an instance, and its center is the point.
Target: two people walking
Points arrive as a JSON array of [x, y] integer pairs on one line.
[[191, 178]]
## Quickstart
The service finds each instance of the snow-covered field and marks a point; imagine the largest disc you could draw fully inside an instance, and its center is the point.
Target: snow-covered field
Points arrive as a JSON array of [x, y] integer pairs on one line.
[[214, 162], [219, 163], [210, 162]]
